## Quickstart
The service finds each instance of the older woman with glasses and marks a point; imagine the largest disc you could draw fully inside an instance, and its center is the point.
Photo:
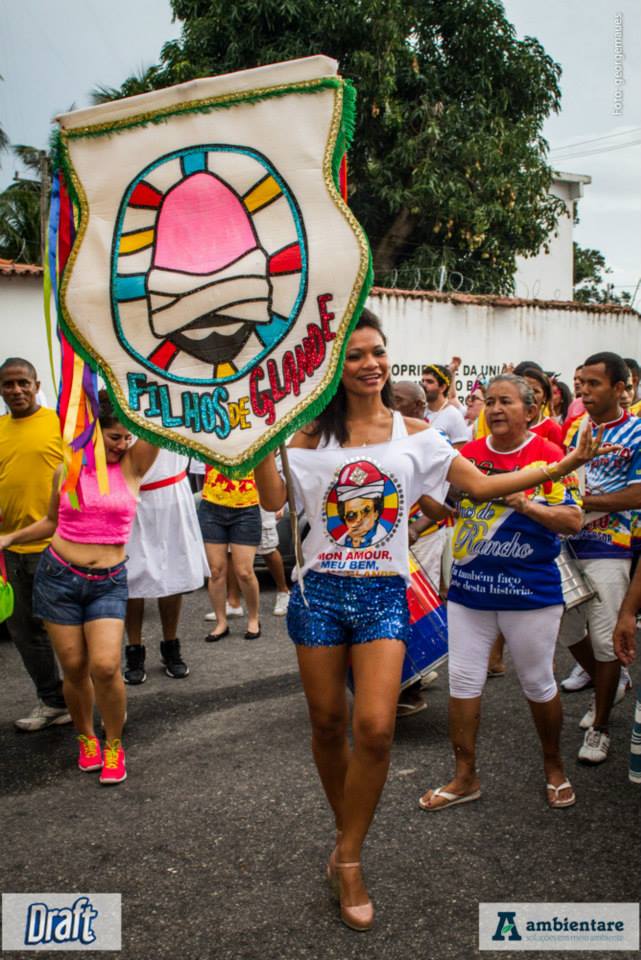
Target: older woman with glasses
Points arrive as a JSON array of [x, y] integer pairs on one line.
[[505, 579]]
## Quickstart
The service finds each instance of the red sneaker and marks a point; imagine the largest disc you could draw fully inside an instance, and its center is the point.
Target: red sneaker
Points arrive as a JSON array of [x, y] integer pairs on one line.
[[113, 769], [90, 756]]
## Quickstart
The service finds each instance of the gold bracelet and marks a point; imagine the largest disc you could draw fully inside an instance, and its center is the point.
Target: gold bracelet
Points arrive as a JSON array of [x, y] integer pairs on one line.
[[547, 474]]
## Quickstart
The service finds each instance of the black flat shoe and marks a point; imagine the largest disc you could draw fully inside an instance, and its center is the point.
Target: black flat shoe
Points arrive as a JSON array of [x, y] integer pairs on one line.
[[253, 634], [213, 637]]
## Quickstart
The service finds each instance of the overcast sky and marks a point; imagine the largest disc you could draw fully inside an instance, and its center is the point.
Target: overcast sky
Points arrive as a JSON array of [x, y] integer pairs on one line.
[[52, 55], [580, 35]]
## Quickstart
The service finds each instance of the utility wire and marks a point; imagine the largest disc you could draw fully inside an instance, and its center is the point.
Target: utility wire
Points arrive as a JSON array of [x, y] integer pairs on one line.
[[608, 136], [594, 153]]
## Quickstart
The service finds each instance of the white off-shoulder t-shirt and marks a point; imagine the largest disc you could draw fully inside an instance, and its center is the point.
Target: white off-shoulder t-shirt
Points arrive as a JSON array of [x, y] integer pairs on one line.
[[357, 499]]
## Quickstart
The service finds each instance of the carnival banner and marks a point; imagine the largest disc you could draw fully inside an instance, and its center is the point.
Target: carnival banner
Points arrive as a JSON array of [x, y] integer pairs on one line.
[[211, 269]]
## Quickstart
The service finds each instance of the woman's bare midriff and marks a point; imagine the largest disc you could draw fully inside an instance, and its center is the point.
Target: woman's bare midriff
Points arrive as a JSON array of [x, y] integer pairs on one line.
[[89, 554]]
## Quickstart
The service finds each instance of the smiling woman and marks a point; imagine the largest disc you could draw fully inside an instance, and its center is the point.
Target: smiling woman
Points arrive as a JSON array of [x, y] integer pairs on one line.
[[356, 471], [505, 580], [80, 589]]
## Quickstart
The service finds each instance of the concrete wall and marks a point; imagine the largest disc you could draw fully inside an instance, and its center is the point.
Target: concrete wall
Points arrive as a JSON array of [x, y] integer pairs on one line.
[[548, 276], [422, 329], [22, 328]]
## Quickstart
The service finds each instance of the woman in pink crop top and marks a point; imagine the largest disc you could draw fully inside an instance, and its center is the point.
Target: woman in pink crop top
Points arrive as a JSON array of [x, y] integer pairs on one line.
[[80, 589]]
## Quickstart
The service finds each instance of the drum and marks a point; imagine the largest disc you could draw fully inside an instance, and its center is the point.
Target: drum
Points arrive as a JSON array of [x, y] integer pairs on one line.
[[576, 587], [427, 646]]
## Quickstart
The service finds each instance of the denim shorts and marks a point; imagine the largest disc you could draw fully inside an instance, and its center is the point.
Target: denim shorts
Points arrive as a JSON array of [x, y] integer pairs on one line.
[[347, 610], [218, 524], [63, 596]]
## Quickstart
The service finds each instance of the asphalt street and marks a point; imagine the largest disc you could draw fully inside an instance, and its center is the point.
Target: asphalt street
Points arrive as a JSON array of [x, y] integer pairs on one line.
[[218, 839]]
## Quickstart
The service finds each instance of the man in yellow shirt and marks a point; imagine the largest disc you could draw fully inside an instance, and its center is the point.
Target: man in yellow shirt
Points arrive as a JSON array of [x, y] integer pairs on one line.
[[30, 452]]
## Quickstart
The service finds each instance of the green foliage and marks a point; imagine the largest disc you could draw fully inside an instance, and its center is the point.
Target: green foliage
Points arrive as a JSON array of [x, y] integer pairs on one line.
[[29, 157], [448, 164], [141, 82], [590, 285], [20, 222], [20, 209], [589, 265]]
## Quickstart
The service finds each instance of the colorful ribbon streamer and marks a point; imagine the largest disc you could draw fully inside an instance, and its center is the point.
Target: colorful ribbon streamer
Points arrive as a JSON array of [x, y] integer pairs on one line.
[[78, 403]]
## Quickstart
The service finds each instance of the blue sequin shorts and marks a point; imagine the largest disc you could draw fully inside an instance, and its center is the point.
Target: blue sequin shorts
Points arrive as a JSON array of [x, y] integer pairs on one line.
[[347, 610]]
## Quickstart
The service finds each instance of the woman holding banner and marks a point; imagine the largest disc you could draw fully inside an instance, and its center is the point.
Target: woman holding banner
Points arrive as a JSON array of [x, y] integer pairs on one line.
[[358, 468]]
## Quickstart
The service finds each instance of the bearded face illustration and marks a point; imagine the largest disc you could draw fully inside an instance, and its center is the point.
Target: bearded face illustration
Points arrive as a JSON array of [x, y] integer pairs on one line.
[[209, 263]]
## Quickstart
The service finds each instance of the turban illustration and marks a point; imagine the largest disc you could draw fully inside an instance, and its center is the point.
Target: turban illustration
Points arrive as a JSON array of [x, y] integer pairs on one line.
[[360, 479]]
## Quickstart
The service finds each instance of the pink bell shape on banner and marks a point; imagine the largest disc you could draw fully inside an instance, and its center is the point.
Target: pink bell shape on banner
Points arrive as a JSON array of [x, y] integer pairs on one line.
[[202, 227]]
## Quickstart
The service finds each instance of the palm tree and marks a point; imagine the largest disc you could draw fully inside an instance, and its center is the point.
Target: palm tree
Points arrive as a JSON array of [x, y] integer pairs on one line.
[[20, 210], [20, 222], [140, 82]]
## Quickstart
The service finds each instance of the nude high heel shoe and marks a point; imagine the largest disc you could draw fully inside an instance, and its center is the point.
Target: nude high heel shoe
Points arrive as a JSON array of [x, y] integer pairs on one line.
[[361, 917], [331, 874]]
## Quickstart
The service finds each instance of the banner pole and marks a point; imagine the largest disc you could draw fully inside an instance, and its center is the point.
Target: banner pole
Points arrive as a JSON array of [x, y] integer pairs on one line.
[[293, 520]]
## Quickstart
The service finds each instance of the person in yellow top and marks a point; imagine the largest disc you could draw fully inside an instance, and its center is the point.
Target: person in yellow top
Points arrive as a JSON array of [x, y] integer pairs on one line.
[[230, 523], [30, 452]]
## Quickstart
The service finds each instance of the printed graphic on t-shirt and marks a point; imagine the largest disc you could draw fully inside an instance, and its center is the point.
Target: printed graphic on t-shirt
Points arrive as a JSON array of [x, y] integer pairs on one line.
[[226, 492], [609, 535], [504, 560], [362, 506]]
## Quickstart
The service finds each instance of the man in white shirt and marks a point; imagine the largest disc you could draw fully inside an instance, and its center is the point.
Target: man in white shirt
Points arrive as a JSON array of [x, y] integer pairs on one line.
[[443, 415]]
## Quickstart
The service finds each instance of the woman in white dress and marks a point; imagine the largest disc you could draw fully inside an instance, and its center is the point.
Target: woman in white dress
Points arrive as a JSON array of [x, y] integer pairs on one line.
[[166, 559]]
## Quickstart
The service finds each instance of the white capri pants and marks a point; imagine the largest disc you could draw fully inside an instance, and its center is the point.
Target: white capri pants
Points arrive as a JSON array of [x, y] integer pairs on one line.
[[530, 636]]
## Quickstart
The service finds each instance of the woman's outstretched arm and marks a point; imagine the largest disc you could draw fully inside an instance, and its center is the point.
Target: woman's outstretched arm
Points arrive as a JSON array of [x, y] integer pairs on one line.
[[467, 477]]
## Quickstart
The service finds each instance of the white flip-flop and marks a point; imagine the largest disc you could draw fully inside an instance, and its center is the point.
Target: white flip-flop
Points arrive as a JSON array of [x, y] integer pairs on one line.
[[560, 804], [452, 799]]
